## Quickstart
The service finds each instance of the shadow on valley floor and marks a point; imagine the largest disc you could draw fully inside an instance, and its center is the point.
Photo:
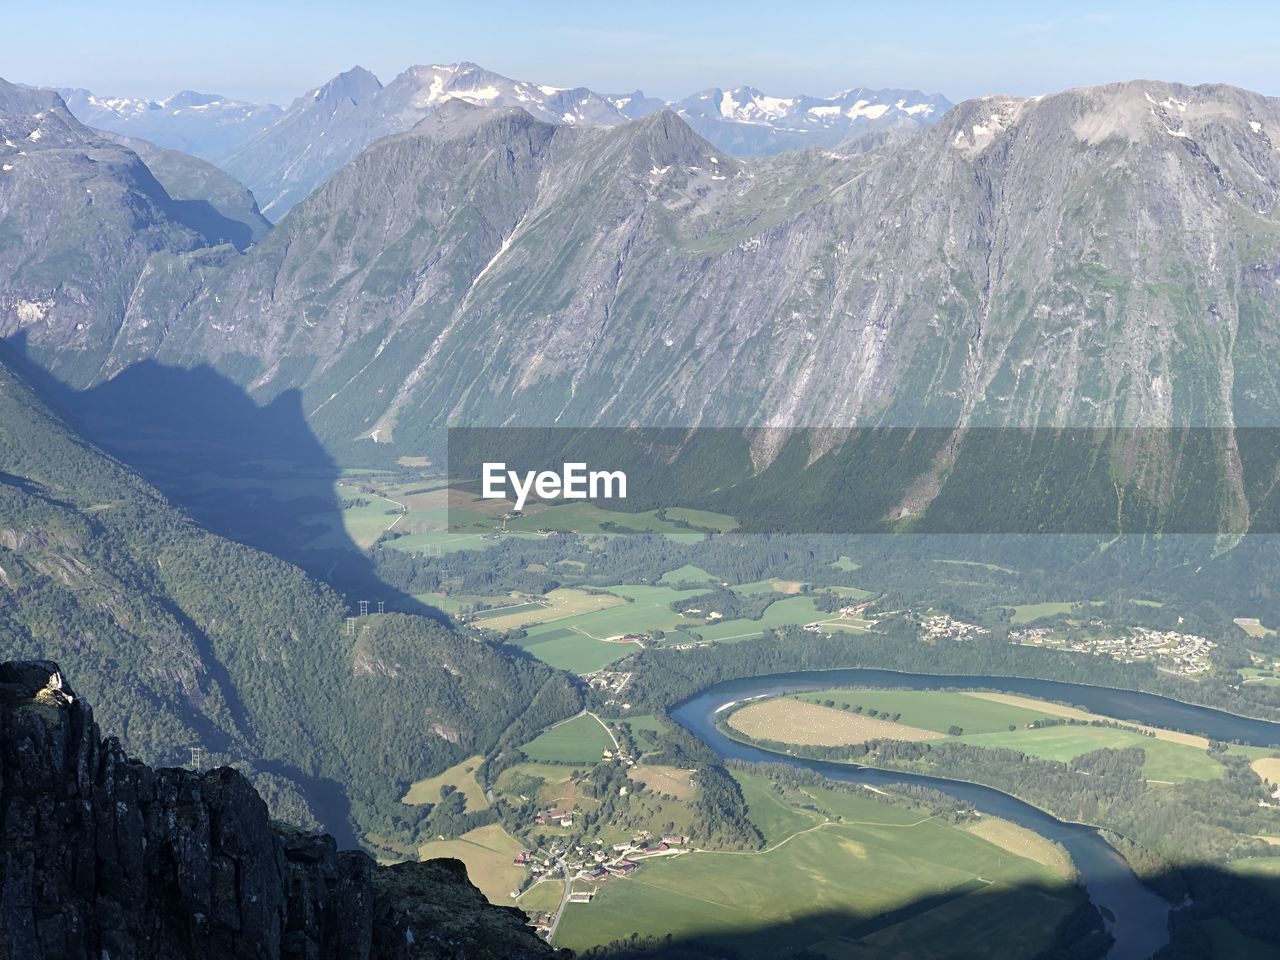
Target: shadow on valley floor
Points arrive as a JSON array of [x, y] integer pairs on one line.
[[254, 474], [1223, 915]]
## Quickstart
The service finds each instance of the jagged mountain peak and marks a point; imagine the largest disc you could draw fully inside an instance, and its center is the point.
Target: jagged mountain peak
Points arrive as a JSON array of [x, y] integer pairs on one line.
[[456, 118], [30, 117], [356, 85], [663, 139], [1152, 112]]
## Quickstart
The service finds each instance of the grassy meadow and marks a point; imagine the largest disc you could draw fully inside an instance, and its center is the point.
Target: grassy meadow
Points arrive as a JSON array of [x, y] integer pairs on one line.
[[849, 876]]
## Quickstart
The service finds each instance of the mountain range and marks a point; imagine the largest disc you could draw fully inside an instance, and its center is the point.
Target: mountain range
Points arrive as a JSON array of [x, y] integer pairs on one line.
[[283, 156], [202, 124], [1103, 256]]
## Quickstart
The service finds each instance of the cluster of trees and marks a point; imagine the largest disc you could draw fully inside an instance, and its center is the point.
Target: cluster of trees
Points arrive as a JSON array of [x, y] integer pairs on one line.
[[730, 604]]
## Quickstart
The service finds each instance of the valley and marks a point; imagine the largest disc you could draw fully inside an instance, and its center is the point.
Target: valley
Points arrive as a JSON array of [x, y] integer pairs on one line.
[[939, 617]]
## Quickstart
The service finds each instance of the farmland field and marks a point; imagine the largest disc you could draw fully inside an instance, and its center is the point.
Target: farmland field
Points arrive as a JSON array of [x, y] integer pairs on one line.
[[674, 781], [587, 518], [559, 604], [934, 710], [544, 896], [487, 852], [1166, 761], [809, 724], [686, 574], [580, 739], [461, 776], [789, 612], [570, 650], [719, 522], [984, 719], [820, 880], [1268, 768], [576, 642]]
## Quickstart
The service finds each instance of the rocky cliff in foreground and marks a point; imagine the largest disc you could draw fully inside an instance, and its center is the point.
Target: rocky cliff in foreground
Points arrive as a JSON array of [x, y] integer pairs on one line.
[[102, 857]]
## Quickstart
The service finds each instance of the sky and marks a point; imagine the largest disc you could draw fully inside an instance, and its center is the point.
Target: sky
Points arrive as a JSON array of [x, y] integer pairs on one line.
[[274, 51]]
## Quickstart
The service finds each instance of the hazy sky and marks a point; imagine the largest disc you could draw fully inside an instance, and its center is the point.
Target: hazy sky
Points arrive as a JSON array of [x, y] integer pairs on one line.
[[275, 51]]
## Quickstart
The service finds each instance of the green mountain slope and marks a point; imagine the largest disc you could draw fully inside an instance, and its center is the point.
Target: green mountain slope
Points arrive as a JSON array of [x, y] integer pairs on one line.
[[186, 639]]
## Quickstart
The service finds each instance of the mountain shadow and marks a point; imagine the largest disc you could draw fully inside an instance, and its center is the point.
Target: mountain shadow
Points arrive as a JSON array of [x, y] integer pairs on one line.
[[251, 473], [1220, 914]]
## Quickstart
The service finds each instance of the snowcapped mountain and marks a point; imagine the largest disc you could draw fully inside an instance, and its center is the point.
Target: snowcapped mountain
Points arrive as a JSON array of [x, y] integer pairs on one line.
[[204, 125], [419, 90], [324, 129], [746, 121], [283, 155]]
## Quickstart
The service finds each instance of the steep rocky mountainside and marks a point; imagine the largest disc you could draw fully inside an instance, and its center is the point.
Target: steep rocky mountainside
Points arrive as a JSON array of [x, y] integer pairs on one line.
[[231, 213], [321, 130], [326, 127], [203, 125], [101, 856], [187, 640], [1101, 256], [81, 219], [1106, 255]]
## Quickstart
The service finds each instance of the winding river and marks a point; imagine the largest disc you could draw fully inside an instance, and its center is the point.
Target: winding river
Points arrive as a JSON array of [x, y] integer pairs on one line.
[[1137, 917]]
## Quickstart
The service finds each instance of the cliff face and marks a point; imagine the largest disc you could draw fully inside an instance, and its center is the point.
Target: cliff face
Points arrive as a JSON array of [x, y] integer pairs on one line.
[[103, 858]]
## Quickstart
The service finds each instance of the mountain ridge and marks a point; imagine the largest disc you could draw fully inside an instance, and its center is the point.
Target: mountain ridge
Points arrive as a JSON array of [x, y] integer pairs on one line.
[[106, 857]]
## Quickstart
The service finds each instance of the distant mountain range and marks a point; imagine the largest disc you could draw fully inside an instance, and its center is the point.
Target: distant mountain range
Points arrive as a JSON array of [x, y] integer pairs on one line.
[[283, 156], [202, 124], [1098, 257]]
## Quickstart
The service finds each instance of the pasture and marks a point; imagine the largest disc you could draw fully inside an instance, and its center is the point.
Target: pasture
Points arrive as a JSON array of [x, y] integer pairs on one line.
[[1166, 761], [487, 852], [809, 724], [707, 519], [985, 719], [560, 604], [579, 739], [793, 611], [686, 574], [567, 649], [936, 710], [461, 776], [543, 896], [842, 885], [673, 781]]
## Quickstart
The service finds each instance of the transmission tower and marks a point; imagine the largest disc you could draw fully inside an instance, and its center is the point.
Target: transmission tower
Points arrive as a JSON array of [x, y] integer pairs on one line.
[[364, 608], [197, 758], [382, 607]]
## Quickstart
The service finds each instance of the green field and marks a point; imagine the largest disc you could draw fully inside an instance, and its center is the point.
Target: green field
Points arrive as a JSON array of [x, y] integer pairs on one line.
[[580, 739], [1027, 612], [544, 897], [1165, 761], [686, 574], [587, 518], [566, 649], [719, 522], [791, 611], [575, 643], [935, 710], [461, 776], [821, 880], [488, 853], [986, 723], [845, 563]]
